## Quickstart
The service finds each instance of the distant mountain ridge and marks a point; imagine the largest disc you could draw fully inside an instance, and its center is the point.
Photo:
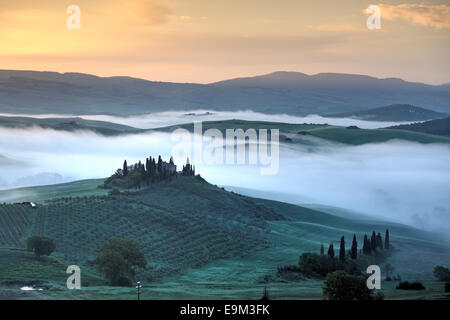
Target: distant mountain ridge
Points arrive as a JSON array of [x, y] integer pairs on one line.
[[394, 112], [293, 93]]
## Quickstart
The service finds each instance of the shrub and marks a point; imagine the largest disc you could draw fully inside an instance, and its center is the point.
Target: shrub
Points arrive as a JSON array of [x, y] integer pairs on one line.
[[313, 264], [442, 273], [114, 192], [124, 282], [405, 285], [379, 296], [341, 286]]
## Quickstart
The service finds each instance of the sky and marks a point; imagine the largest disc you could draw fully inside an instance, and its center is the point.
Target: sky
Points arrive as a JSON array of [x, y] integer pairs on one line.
[[205, 41]]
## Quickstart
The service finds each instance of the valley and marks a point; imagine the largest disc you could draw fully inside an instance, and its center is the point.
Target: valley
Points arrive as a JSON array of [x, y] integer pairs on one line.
[[200, 241]]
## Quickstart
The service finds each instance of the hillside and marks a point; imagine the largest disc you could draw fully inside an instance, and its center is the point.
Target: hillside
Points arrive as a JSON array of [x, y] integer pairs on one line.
[[439, 127], [200, 240], [29, 92], [171, 233], [395, 112], [299, 133], [290, 133], [67, 124]]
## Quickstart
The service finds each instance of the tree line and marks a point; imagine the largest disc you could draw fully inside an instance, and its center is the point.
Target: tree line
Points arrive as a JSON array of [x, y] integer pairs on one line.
[[369, 246]]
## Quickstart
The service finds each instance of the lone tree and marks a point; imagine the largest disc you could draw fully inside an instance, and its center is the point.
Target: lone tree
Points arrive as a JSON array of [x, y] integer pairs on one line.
[[386, 239], [341, 286], [354, 250], [342, 249], [118, 259], [265, 296], [322, 250], [41, 246], [442, 273], [331, 251]]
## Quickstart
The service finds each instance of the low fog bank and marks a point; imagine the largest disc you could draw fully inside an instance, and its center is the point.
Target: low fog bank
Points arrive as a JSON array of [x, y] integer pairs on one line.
[[163, 119], [399, 181], [34, 179]]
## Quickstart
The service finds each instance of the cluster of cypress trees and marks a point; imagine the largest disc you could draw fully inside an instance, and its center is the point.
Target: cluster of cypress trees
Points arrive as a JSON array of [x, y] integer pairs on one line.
[[375, 243], [188, 169], [152, 171], [353, 252]]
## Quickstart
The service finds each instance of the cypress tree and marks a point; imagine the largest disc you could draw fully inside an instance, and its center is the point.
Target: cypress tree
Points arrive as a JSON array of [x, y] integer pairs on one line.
[[331, 251], [386, 240], [364, 249], [322, 250], [125, 168], [373, 242], [160, 167], [342, 249], [143, 172], [148, 167], [379, 241], [367, 249], [354, 251]]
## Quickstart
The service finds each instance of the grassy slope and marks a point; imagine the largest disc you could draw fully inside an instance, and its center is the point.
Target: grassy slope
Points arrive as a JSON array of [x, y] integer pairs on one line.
[[41, 193], [203, 242], [395, 112], [440, 127], [332, 133], [362, 136], [68, 124]]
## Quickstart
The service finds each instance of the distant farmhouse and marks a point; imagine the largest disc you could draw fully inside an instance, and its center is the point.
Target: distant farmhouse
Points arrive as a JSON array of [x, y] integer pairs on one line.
[[29, 204]]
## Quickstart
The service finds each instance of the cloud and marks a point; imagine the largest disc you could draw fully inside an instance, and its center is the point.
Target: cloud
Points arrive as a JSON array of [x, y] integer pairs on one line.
[[168, 118], [435, 16], [153, 12], [401, 181], [337, 28]]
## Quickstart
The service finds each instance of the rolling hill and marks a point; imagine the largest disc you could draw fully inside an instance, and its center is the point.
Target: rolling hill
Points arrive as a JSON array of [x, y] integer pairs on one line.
[[67, 124], [291, 133], [299, 133], [293, 93], [200, 241], [439, 127], [395, 112]]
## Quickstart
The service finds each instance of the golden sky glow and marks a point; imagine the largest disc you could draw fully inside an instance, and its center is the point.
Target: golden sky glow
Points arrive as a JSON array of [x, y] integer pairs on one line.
[[210, 40]]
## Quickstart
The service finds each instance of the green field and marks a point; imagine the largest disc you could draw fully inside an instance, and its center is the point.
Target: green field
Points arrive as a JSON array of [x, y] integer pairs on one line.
[[67, 124], [298, 132], [41, 193], [295, 131], [394, 112], [439, 127], [201, 242]]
